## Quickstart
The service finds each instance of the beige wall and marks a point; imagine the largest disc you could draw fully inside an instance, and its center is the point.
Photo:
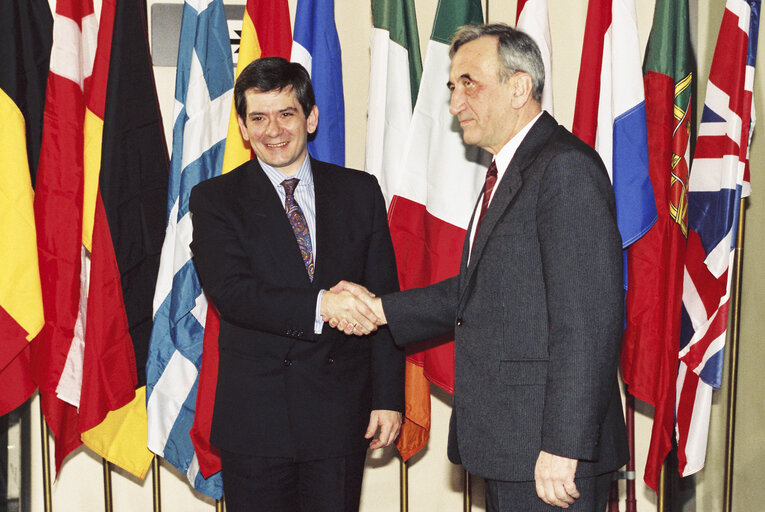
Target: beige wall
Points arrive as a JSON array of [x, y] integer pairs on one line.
[[434, 484]]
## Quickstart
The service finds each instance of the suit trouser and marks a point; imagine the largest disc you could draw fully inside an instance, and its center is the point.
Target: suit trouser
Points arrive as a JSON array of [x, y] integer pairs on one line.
[[522, 496], [269, 484]]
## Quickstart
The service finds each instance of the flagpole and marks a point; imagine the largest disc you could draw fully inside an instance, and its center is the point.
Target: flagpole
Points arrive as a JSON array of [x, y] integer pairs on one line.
[[662, 492], [219, 505], [404, 485], [631, 502], [466, 491], [733, 355], [155, 487], [46, 459], [107, 485]]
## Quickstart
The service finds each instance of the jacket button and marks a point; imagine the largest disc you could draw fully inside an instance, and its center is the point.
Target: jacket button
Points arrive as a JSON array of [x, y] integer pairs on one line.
[[459, 321], [286, 362], [330, 360]]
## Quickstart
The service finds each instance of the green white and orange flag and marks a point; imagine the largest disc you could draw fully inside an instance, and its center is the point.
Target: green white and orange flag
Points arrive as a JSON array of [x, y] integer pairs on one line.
[[394, 79], [26, 31]]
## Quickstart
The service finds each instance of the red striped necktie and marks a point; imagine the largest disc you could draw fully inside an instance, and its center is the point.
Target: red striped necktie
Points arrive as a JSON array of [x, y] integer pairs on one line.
[[488, 186]]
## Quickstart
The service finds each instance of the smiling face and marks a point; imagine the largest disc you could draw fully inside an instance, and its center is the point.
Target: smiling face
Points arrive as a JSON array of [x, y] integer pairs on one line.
[[483, 105], [277, 129]]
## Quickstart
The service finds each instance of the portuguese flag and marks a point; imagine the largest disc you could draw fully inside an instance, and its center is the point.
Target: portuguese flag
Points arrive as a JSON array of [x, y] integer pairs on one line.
[[655, 262]]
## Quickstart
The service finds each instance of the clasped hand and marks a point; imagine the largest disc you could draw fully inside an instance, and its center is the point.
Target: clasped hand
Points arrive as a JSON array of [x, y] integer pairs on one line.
[[352, 309]]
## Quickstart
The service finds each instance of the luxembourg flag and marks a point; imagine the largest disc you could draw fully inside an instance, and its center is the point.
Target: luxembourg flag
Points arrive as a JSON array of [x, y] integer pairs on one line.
[[610, 111], [204, 88], [317, 47]]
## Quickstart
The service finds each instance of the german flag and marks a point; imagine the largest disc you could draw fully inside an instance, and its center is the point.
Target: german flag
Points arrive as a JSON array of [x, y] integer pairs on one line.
[[127, 233], [26, 30]]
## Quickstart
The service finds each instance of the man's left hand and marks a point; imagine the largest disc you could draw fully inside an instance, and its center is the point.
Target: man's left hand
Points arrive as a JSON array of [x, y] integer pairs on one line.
[[554, 477], [389, 424]]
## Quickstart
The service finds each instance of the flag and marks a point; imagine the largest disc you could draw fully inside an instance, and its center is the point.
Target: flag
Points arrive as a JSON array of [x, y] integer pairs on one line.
[[123, 182], [610, 111], [58, 212], [204, 87], [432, 198], [265, 33], [655, 262], [317, 47], [532, 18], [130, 157], [394, 78], [719, 180], [26, 31]]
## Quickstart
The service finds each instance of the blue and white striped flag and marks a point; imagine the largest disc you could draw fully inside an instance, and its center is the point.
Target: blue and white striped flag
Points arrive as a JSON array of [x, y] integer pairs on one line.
[[203, 94], [317, 48]]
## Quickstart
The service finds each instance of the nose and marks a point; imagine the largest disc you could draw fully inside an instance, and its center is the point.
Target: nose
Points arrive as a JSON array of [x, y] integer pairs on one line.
[[456, 103], [273, 129]]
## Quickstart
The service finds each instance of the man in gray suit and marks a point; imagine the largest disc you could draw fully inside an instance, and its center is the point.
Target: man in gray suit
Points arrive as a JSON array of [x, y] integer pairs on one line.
[[537, 306]]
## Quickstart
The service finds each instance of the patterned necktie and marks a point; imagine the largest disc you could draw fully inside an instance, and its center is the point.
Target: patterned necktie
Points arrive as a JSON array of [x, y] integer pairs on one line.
[[488, 186], [299, 224]]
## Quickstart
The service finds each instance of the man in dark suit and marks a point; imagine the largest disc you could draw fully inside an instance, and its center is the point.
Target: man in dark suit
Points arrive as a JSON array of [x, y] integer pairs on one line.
[[296, 402], [536, 309]]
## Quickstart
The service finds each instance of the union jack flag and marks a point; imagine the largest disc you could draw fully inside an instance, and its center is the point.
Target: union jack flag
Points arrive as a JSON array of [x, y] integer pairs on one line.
[[719, 179]]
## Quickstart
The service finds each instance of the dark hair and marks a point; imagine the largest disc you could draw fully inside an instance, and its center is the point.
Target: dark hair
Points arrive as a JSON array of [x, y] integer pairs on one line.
[[515, 49], [274, 74]]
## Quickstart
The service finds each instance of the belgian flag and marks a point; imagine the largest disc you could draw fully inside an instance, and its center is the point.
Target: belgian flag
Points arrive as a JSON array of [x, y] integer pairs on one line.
[[26, 30]]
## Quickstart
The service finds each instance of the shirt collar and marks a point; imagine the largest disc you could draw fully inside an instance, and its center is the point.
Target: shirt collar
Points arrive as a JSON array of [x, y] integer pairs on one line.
[[506, 154], [304, 174]]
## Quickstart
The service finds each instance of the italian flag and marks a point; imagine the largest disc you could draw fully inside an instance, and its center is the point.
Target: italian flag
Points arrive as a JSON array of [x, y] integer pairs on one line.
[[432, 191]]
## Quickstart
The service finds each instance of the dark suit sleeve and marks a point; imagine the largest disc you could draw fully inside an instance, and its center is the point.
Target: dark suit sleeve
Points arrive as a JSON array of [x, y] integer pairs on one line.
[[228, 280], [381, 277], [582, 267], [422, 313]]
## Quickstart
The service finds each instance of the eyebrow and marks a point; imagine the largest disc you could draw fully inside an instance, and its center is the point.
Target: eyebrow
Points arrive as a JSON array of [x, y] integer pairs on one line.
[[450, 84], [288, 109]]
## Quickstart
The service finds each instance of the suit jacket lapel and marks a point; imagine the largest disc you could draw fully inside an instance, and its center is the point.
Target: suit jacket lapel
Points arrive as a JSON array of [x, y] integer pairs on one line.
[[270, 225], [506, 190], [329, 227]]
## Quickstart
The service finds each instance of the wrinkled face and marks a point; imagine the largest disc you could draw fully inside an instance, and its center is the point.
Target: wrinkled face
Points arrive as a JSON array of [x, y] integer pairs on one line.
[[277, 128], [481, 103]]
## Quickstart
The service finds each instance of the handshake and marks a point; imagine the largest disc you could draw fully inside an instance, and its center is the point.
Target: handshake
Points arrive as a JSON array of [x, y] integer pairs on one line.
[[351, 308]]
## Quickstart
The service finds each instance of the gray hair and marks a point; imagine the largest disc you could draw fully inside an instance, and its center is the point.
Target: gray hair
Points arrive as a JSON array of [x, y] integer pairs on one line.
[[516, 50]]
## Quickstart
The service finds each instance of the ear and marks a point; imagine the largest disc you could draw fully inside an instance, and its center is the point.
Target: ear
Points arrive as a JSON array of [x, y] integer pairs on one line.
[[521, 87], [313, 119], [243, 128]]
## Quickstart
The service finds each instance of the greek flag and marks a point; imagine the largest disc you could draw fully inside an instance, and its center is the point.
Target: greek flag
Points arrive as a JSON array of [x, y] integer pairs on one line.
[[203, 94], [317, 47]]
